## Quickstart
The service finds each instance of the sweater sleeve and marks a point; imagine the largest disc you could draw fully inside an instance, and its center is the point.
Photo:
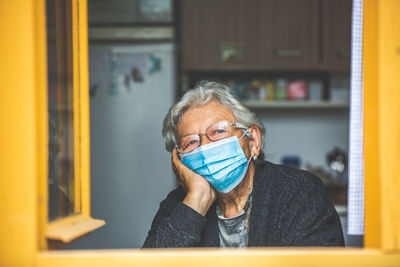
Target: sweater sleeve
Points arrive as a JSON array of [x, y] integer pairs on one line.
[[175, 224], [311, 218]]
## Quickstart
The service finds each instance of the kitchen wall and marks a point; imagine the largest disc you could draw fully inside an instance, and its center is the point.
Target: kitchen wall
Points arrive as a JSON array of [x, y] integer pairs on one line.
[[309, 134]]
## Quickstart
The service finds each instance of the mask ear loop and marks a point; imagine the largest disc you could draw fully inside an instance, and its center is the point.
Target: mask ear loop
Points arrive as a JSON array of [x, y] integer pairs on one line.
[[246, 133], [249, 135]]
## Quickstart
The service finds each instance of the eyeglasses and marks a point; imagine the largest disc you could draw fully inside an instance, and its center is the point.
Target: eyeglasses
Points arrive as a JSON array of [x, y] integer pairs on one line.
[[217, 131]]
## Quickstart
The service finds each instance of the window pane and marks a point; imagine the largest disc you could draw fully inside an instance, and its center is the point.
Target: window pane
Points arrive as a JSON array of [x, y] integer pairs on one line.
[[60, 98]]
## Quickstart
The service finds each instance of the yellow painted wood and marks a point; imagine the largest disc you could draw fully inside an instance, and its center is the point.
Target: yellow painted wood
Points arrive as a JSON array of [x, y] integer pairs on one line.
[[21, 70], [81, 107], [77, 105], [21, 164], [382, 123], [389, 120], [371, 131], [41, 122], [215, 257], [72, 227], [84, 107]]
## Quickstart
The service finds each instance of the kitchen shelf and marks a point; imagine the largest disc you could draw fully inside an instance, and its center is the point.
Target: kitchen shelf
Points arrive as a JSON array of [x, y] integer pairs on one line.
[[258, 104]]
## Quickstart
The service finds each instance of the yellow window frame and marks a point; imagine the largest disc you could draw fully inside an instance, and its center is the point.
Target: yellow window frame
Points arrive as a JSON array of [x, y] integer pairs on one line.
[[23, 143], [63, 230]]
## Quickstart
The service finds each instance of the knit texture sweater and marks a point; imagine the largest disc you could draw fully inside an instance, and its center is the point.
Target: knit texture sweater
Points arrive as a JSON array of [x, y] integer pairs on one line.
[[290, 208]]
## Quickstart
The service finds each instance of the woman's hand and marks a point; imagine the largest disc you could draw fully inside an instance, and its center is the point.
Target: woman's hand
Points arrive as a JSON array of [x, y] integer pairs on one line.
[[200, 195]]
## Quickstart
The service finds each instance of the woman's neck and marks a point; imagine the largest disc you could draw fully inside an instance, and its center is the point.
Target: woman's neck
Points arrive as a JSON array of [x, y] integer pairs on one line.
[[233, 202]]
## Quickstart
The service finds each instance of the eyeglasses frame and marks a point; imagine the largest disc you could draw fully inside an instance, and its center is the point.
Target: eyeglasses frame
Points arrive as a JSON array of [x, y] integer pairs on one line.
[[235, 124]]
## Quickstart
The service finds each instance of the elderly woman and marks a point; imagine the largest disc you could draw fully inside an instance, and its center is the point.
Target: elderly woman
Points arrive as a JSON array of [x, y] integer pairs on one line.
[[228, 195]]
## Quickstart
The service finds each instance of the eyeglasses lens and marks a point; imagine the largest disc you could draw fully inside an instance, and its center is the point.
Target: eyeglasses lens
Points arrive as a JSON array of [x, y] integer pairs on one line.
[[189, 143], [217, 131]]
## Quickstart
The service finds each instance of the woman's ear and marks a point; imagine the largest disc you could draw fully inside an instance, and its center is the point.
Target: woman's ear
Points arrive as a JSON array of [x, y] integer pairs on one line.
[[255, 140]]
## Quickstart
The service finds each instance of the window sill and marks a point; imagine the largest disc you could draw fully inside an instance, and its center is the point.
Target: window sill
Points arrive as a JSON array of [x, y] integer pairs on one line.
[[72, 227]]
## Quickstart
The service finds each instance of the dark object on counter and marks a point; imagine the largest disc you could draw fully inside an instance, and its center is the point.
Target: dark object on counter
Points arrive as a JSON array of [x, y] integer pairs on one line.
[[291, 161], [337, 162]]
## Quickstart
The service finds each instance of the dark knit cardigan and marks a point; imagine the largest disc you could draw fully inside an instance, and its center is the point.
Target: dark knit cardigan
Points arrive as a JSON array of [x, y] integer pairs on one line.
[[290, 208]]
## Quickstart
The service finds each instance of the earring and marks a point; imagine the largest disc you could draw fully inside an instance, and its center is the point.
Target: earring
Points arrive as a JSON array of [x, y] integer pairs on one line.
[[255, 157]]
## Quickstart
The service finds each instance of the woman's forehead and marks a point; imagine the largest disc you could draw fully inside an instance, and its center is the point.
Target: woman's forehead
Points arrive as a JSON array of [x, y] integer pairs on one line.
[[199, 118]]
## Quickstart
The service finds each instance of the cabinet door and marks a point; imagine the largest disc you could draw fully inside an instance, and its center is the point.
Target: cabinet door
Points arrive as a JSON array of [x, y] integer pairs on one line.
[[337, 34], [288, 35], [218, 34]]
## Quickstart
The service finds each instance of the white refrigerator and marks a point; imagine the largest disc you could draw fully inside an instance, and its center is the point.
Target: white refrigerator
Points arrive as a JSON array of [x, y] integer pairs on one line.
[[131, 89]]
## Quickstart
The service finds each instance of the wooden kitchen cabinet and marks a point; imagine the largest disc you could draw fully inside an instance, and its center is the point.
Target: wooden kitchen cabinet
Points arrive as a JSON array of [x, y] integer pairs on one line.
[[265, 35], [337, 35], [288, 34], [218, 34]]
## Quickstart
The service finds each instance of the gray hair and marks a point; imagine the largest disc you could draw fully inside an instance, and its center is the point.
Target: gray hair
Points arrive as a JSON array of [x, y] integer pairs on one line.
[[202, 94]]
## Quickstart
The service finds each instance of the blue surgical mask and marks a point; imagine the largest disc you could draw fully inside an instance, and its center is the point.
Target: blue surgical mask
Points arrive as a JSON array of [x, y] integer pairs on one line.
[[222, 163]]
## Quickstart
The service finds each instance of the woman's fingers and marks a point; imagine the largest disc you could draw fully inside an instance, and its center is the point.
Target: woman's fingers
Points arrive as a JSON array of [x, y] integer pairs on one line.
[[176, 163], [181, 169], [175, 158], [178, 168]]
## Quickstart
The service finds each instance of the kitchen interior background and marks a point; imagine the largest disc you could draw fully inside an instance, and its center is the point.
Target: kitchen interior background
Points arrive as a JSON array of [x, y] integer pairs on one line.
[[288, 60]]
